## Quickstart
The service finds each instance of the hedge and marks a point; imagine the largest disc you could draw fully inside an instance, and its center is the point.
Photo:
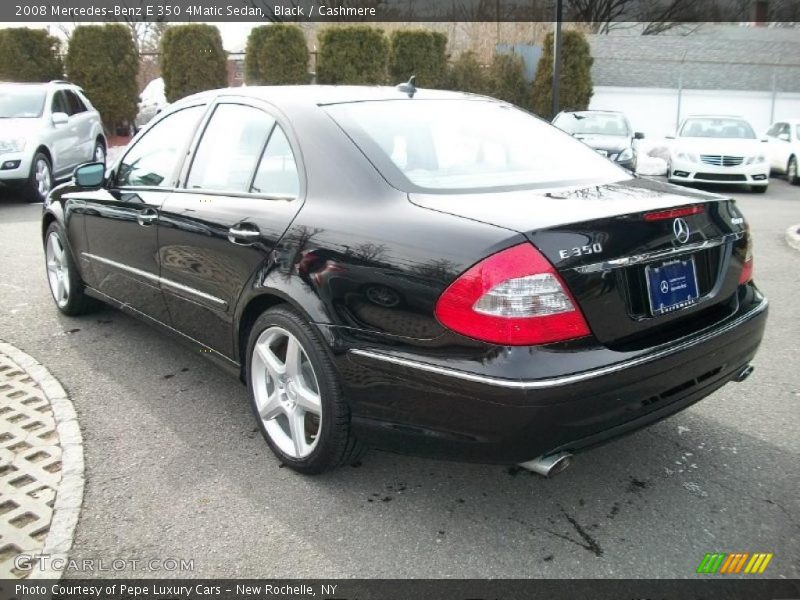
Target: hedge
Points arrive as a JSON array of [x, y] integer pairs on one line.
[[29, 55], [102, 59], [356, 54], [466, 74], [276, 55], [192, 60], [575, 82], [507, 80], [418, 52]]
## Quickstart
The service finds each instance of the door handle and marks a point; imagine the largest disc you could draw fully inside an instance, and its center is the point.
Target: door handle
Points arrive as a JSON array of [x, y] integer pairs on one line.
[[146, 217], [236, 235]]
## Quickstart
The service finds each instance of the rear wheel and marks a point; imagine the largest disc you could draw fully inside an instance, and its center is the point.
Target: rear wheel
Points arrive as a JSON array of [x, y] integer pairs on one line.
[[65, 283], [296, 396], [791, 171], [40, 180]]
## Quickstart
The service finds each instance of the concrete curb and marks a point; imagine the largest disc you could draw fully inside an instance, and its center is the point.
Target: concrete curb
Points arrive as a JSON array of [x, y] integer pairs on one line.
[[793, 236], [69, 496]]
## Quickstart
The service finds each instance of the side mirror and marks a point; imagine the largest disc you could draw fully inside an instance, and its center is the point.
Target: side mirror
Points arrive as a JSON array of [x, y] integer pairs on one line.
[[90, 176], [638, 135], [60, 118]]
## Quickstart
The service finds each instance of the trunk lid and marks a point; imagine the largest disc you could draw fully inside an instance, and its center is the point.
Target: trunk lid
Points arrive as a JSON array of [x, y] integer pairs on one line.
[[602, 244]]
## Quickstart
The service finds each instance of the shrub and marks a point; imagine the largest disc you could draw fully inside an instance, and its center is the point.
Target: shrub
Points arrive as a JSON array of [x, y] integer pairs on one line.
[[575, 82], [356, 54], [192, 60], [276, 55], [418, 52], [29, 55], [466, 74], [507, 80], [102, 59]]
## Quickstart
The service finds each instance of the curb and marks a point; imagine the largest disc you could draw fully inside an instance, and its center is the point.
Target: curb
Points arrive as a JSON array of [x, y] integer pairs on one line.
[[793, 236], [69, 496]]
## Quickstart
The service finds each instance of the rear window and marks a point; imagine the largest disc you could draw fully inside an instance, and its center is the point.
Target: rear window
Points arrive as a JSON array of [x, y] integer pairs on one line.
[[463, 145], [586, 123]]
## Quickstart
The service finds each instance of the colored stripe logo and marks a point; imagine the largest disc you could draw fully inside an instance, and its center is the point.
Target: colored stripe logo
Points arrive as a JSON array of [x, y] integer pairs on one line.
[[723, 563]]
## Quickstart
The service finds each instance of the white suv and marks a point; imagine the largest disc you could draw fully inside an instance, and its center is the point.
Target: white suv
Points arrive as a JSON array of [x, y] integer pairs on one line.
[[46, 130]]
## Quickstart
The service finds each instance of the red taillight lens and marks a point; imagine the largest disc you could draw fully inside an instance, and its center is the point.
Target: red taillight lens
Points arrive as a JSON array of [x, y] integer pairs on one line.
[[747, 268], [673, 213], [514, 298]]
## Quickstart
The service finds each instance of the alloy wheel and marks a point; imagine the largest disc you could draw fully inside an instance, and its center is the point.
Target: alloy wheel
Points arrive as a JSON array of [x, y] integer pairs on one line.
[[43, 178], [57, 269], [99, 154], [791, 172], [286, 392]]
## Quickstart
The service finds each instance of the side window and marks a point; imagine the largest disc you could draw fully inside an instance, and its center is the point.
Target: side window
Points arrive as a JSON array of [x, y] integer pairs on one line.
[[60, 103], [229, 149], [75, 104], [277, 171], [785, 131], [154, 157], [773, 131]]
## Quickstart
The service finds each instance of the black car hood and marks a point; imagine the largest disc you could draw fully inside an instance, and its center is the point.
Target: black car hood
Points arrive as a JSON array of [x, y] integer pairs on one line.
[[612, 144], [526, 210]]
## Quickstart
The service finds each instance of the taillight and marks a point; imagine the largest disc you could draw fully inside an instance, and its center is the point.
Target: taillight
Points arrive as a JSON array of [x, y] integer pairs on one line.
[[673, 213], [747, 267], [514, 298]]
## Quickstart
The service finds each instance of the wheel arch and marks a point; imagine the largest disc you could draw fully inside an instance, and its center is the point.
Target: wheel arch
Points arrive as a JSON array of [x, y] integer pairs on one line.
[[46, 151]]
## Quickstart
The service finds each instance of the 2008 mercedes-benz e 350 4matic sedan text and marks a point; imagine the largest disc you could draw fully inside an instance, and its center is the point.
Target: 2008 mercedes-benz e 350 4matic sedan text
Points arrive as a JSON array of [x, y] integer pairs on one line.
[[420, 271]]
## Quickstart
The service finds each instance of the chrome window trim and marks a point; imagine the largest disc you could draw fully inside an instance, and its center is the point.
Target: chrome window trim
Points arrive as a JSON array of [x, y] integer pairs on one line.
[[683, 344], [155, 278], [636, 259]]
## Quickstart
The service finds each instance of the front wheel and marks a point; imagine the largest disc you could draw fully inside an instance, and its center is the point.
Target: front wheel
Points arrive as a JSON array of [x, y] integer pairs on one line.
[[40, 179], [65, 283], [99, 154], [791, 171], [758, 189], [296, 396]]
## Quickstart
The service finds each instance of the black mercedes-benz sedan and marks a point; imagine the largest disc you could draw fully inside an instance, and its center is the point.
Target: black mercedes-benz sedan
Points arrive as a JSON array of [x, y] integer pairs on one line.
[[420, 271]]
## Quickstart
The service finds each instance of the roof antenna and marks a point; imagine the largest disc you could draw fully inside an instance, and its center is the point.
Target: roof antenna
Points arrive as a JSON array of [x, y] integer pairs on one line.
[[410, 87]]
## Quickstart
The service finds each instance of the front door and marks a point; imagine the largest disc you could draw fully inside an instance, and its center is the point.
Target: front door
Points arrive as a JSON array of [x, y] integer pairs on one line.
[[242, 192], [122, 223]]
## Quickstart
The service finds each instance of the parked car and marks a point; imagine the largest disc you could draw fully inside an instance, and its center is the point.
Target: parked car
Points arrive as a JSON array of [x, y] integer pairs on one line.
[[513, 297], [48, 129], [152, 101], [718, 149], [784, 148], [608, 132]]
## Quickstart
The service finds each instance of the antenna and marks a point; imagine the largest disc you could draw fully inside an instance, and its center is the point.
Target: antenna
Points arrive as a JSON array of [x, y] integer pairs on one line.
[[410, 87]]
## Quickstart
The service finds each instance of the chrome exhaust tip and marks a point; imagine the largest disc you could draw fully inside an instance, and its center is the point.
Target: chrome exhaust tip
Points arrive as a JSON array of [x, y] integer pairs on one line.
[[744, 373], [549, 466]]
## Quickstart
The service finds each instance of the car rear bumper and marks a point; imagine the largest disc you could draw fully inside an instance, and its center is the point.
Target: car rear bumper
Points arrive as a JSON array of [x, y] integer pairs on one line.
[[410, 406]]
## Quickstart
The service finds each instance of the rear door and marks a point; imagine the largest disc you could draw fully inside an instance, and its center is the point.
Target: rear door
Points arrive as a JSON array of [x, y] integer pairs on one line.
[[121, 222], [64, 137], [242, 190], [81, 120]]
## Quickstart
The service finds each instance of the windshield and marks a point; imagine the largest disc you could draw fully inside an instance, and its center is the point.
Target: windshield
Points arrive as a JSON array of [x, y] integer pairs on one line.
[[457, 145], [21, 103], [709, 127], [592, 123]]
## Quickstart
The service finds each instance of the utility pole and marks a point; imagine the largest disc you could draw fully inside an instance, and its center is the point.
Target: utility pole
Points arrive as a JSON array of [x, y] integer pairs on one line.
[[557, 58]]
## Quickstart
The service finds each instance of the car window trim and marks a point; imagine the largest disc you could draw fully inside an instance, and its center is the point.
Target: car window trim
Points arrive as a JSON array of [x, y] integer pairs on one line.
[[175, 175], [280, 119]]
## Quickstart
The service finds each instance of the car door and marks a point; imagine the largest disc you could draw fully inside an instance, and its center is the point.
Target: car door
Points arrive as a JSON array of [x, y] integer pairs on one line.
[[63, 137], [81, 119], [121, 222], [242, 190], [778, 140]]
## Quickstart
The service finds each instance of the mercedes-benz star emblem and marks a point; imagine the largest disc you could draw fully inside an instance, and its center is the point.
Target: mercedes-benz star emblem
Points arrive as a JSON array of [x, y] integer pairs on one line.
[[681, 230], [664, 287]]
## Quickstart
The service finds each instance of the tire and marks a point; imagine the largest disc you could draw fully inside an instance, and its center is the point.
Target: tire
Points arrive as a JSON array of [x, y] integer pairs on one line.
[[65, 283], [40, 179], [286, 400], [792, 176], [759, 189], [99, 152]]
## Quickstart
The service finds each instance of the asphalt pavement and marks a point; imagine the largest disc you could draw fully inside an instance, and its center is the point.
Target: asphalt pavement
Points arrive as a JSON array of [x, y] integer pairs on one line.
[[176, 468]]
